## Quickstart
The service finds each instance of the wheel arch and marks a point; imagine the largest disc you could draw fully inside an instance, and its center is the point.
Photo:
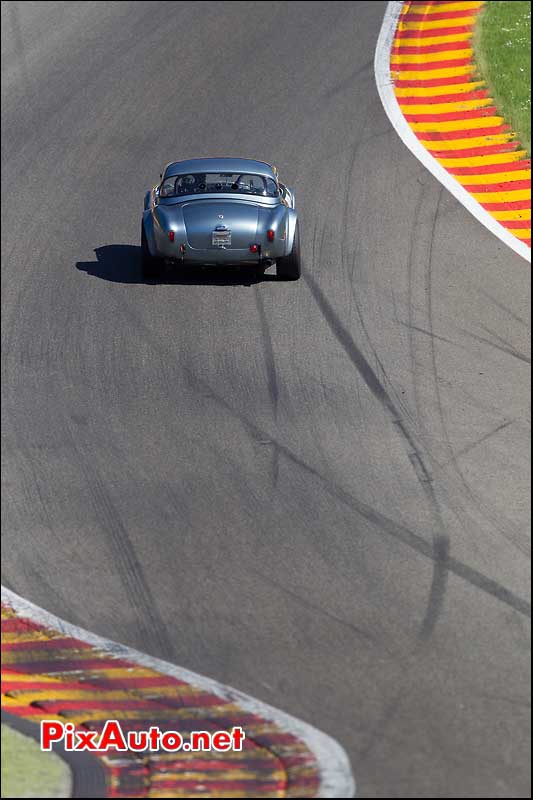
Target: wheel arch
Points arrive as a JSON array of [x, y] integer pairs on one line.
[[292, 220], [148, 227]]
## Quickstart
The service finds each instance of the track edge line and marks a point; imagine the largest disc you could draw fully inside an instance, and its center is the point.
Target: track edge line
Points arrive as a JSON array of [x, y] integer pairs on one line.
[[336, 779], [392, 109]]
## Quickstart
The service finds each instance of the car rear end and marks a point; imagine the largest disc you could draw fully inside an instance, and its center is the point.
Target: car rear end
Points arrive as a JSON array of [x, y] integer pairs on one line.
[[219, 232]]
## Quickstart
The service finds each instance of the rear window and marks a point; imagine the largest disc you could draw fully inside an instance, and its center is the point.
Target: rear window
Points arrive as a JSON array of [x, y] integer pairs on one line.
[[212, 182]]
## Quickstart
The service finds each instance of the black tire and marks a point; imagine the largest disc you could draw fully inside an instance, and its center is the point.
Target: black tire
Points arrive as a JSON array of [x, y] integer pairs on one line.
[[289, 268], [149, 264]]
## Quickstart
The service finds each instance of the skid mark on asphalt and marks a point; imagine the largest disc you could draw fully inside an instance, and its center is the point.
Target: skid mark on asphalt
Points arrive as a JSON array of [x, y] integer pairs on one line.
[[272, 376], [380, 521], [357, 358], [347, 83], [441, 548], [418, 277], [441, 541], [359, 632], [270, 361], [452, 458], [420, 257], [415, 455], [436, 336], [493, 432], [131, 573], [503, 347], [383, 523], [506, 310], [399, 401]]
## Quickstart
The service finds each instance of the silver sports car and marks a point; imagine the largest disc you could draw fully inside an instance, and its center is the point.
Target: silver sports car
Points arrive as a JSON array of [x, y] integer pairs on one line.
[[221, 211]]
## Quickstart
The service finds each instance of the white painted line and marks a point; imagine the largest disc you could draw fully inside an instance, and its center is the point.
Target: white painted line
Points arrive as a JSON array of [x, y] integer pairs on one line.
[[336, 778], [390, 104]]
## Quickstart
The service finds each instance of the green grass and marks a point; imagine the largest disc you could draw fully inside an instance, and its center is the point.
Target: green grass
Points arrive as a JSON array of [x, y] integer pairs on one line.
[[28, 772], [502, 47]]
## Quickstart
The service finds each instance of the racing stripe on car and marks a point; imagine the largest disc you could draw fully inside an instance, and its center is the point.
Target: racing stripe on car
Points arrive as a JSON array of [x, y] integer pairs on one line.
[[47, 674], [452, 113]]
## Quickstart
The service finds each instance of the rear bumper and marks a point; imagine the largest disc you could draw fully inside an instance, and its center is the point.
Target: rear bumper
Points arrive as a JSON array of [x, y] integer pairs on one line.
[[217, 257], [177, 263]]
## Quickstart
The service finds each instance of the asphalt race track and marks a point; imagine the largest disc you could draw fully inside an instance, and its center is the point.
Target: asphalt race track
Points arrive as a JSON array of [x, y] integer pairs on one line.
[[316, 492]]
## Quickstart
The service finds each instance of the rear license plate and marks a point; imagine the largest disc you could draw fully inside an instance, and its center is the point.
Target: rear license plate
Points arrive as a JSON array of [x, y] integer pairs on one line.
[[221, 238]]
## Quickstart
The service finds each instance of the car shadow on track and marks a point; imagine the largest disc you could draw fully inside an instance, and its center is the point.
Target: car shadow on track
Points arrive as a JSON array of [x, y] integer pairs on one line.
[[121, 263]]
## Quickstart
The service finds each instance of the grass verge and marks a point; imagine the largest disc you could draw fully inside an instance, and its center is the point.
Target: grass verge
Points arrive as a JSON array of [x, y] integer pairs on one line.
[[28, 772], [502, 45]]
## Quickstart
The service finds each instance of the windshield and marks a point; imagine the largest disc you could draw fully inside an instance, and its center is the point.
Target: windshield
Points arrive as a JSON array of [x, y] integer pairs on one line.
[[212, 182]]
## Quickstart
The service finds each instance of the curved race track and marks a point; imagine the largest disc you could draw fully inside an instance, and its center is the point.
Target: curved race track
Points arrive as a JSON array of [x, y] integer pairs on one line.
[[313, 491]]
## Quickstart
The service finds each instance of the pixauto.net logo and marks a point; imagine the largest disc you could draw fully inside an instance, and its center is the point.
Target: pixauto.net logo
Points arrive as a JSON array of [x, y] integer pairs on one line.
[[113, 739]]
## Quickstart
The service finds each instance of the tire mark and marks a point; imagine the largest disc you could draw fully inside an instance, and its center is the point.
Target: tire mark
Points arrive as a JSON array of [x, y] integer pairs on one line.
[[484, 438], [436, 336], [359, 632], [148, 620], [441, 548], [270, 361], [370, 377], [437, 384], [392, 528], [503, 347], [452, 460], [504, 308], [384, 377], [347, 83], [272, 376], [446, 441], [410, 308], [441, 541], [357, 358], [378, 734]]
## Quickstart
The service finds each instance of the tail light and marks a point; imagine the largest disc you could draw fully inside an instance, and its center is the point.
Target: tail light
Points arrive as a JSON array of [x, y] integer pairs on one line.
[[254, 248], [171, 235], [270, 235]]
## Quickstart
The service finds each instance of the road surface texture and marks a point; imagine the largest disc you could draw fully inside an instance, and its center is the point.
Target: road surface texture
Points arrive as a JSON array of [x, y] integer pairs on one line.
[[317, 491]]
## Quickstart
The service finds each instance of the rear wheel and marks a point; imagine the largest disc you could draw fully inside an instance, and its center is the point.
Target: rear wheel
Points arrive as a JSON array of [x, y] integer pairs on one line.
[[149, 264], [289, 267]]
